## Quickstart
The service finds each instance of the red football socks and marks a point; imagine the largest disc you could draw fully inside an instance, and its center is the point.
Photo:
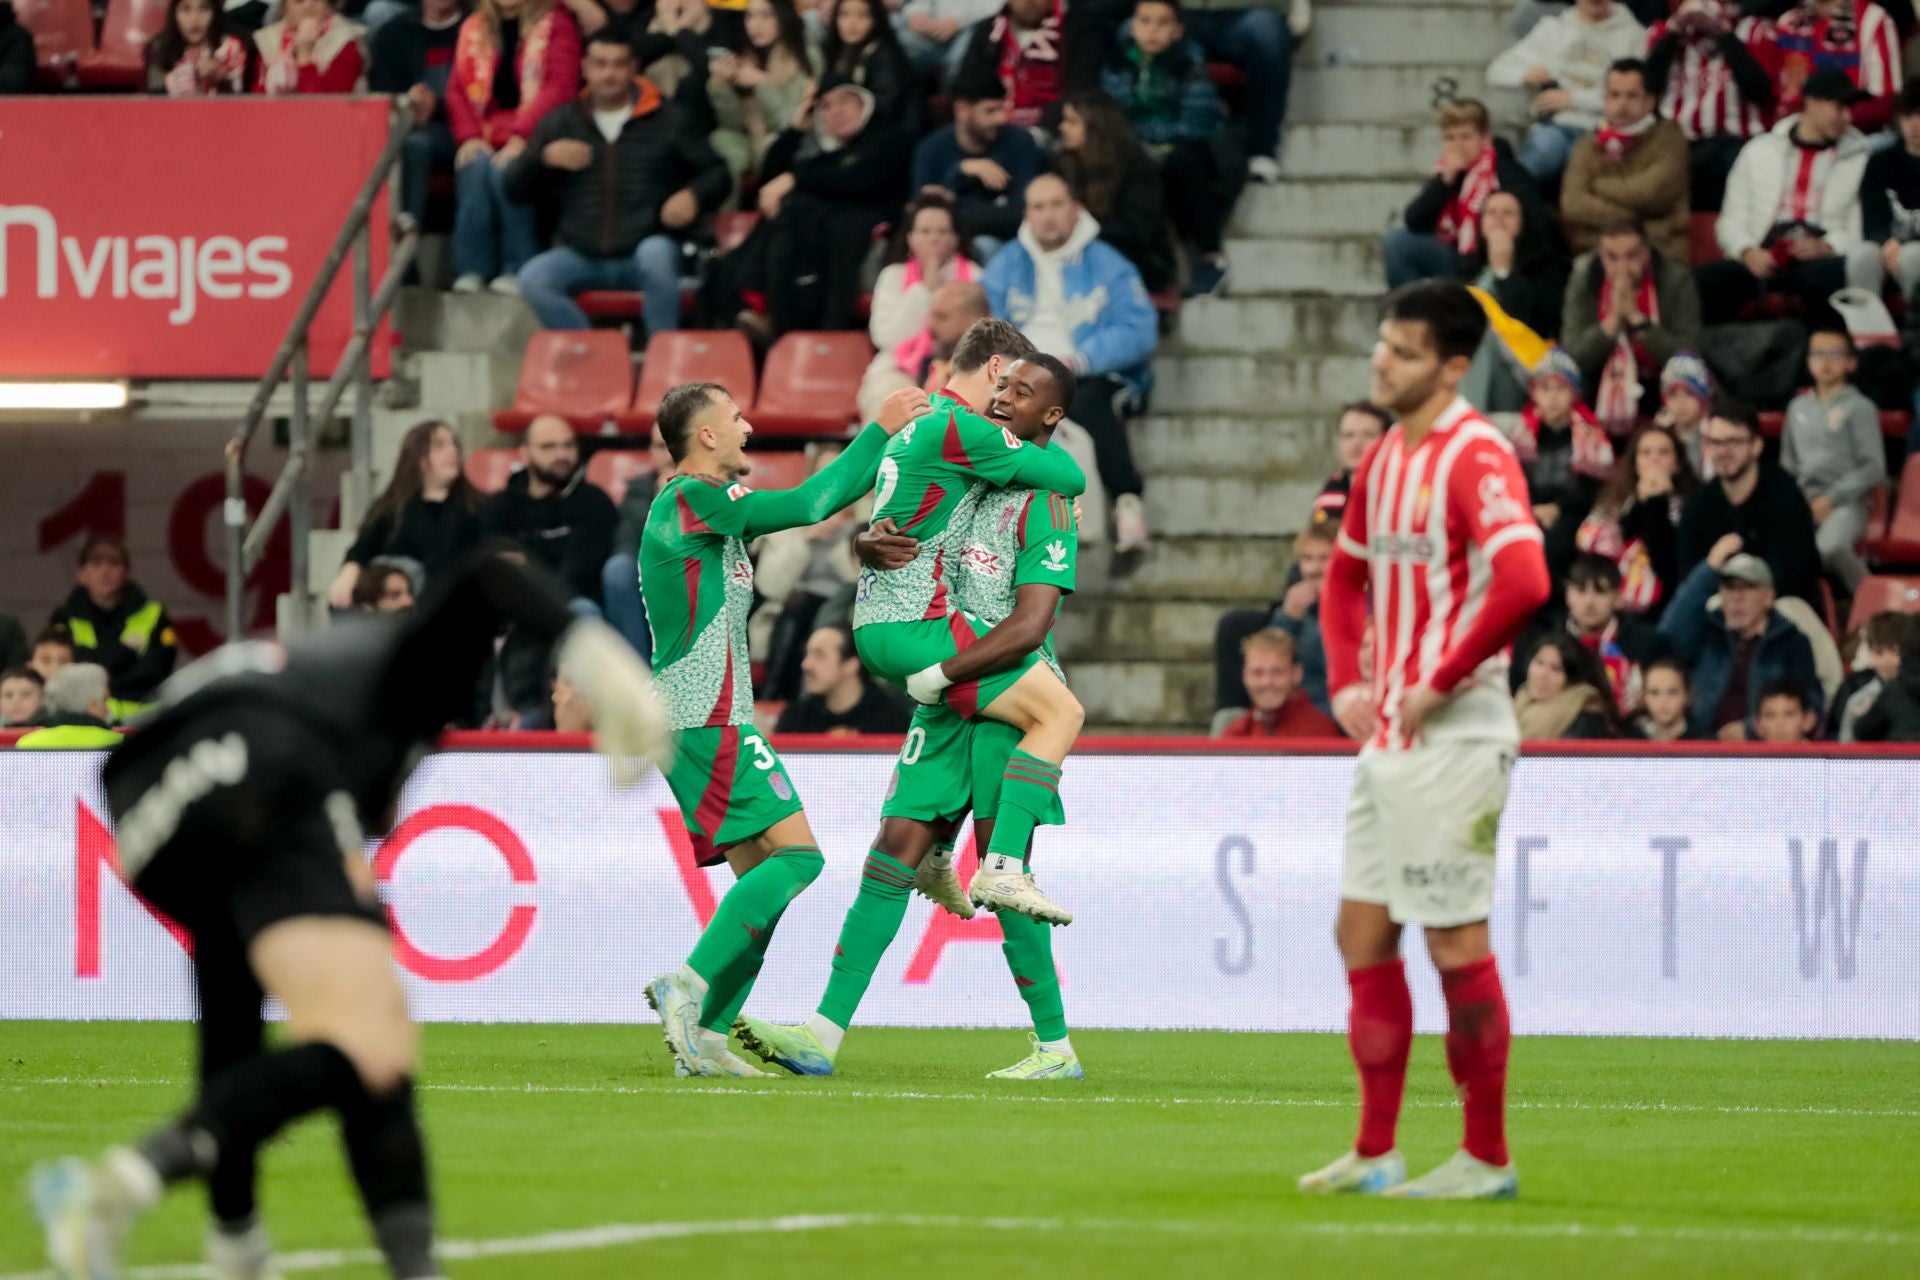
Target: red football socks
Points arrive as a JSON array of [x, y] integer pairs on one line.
[[1478, 1035], [1380, 1034]]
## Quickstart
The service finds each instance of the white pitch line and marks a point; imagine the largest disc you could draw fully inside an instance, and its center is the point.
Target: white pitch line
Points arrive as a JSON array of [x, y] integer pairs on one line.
[[622, 1235], [1055, 1099]]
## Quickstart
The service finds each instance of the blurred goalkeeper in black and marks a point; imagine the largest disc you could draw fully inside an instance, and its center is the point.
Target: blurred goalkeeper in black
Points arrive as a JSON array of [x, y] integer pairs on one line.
[[241, 808]]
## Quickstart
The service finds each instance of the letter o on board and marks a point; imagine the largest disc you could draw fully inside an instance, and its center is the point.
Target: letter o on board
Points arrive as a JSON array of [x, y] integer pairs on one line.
[[512, 935]]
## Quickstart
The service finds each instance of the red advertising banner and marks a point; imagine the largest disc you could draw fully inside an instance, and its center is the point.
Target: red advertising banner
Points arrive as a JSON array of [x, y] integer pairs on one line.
[[157, 238]]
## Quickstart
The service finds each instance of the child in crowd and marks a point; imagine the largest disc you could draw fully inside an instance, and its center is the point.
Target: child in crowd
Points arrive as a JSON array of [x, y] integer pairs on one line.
[[1832, 448], [1565, 453], [1666, 695], [21, 693], [1686, 389], [1875, 667], [1784, 718]]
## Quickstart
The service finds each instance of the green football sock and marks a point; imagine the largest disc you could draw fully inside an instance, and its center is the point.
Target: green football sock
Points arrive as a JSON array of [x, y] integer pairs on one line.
[[727, 994], [872, 922], [748, 912], [1029, 796], [1029, 951]]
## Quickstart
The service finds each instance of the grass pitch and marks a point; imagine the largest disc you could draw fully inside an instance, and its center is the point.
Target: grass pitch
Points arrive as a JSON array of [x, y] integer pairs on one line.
[[563, 1152]]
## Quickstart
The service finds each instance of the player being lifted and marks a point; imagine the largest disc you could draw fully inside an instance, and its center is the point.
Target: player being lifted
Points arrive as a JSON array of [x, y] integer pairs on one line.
[[1439, 528], [1013, 562], [739, 804], [240, 807], [907, 630]]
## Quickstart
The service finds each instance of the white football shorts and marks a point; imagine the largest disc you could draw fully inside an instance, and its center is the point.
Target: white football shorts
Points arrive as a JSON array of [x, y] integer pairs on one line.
[[1421, 828]]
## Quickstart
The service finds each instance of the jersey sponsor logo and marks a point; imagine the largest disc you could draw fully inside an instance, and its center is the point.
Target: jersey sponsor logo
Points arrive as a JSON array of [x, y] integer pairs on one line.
[[980, 560], [1394, 546], [1497, 503], [737, 491], [863, 586], [1055, 560], [906, 434], [742, 573], [1007, 516]]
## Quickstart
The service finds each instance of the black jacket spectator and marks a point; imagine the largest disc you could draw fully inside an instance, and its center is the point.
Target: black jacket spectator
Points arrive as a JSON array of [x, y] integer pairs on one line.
[[1535, 282], [571, 532], [403, 51], [1892, 175], [876, 712], [133, 640], [16, 53], [614, 203], [1895, 715], [1112, 175], [1774, 524], [938, 161], [1701, 639], [877, 64], [435, 534], [1423, 212], [14, 650]]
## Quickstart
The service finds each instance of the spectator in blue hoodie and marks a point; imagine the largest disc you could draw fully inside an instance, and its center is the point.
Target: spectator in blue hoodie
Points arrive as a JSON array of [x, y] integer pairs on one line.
[[1159, 79], [1738, 648]]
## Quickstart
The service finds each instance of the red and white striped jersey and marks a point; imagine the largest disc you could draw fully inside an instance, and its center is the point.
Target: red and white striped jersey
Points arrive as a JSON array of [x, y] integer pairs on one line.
[[1701, 95], [1428, 522]]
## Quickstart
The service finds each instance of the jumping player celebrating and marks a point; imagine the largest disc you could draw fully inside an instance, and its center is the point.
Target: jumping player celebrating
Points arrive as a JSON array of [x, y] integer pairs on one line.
[[240, 807], [740, 806], [1439, 527], [908, 632], [1013, 564]]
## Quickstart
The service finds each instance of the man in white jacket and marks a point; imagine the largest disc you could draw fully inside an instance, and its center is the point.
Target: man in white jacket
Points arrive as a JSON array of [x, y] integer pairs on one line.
[[1792, 208], [1563, 61]]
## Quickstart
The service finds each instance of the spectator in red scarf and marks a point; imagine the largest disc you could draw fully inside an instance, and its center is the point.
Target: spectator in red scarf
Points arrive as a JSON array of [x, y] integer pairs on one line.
[[1629, 309], [1711, 85], [1855, 38], [1280, 707], [515, 61], [195, 56], [1442, 231], [312, 49], [1023, 44], [1590, 613], [1686, 393], [1635, 521], [1361, 424], [1633, 167], [1792, 209], [1564, 453]]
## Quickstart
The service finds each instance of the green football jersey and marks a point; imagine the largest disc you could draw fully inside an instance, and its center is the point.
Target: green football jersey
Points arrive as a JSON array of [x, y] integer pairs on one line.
[[697, 579], [1015, 537], [926, 475]]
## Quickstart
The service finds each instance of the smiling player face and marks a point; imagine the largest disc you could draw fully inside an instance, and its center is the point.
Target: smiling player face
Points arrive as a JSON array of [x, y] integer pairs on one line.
[[1025, 401]]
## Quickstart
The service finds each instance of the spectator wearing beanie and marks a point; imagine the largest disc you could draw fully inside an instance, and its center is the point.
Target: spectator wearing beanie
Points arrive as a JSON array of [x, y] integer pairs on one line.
[[1024, 44], [1563, 63], [1629, 309], [1686, 393], [1441, 235], [1851, 38], [1564, 454], [312, 49], [1890, 209], [1792, 209], [1634, 167], [1711, 85]]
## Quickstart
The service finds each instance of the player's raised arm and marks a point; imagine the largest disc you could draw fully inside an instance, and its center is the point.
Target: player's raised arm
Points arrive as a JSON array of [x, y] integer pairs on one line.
[[840, 483], [1487, 485]]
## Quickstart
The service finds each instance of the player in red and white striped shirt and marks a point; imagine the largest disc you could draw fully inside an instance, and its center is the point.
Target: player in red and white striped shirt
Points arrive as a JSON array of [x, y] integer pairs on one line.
[[1712, 85], [1439, 532]]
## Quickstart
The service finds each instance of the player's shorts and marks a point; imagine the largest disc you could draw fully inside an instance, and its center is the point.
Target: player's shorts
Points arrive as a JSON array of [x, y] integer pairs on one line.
[[1421, 826], [933, 779], [896, 650], [259, 838], [731, 787]]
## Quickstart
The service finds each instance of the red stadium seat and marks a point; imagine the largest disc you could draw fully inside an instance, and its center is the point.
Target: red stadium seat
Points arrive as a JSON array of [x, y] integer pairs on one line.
[[783, 469], [1893, 424], [584, 376], [487, 469], [614, 469], [121, 60], [1880, 593], [610, 304], [692, 355], [1901, 545], [62, 34], [1703, 244], [809, 384]]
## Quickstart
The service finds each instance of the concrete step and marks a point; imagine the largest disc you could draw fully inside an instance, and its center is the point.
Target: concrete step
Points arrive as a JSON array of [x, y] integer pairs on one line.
[[1265, 447], [326, 551], [1258, 325], [484, 323], [1144, 692], [1232, 567], [1250, 506], [1348, 266], [1401, 151], [458, 382], [1405, 94], [1395, 35], [1249, 384], [1168, 629], [1323, 207]]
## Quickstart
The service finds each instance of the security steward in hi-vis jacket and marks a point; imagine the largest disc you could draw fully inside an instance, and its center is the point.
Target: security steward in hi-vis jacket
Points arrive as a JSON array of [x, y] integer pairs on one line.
[[115, 625]]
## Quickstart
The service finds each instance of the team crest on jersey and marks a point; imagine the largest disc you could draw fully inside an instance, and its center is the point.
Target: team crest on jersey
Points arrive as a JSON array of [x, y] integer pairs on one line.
[[737, 491], [980, 560], [1420, 503], [1497, 503], [781, 787], [1056, 557], [906, 434]]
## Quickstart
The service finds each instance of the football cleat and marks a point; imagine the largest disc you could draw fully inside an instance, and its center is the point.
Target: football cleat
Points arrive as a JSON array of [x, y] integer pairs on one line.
[[1015, 891], [243, 1255], [679, 1011], [794, 1049], [941, 886], [1356, 1174], [1041, 1064], [717, 1059], [1463, 1177], [86, 1211]]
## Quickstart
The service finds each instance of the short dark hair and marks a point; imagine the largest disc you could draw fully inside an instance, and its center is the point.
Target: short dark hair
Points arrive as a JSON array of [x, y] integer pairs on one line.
[[1737, 411], [985, 339], [1889, 629], [105, 542], [1065, 385], [1623, 227], [1372, 410], [613, 37], [679, 407], [1784, 687], [1171, 4], [1454, 318], [55, 634], [1592, 571], [1672, 664], [980, 84], [847, 650], [1631, 67], [1832, 329], [23, 672]]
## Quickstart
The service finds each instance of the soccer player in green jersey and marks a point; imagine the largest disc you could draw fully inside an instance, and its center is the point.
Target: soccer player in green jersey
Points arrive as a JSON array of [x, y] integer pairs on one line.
[[1012, 565], [739, 804], [908, 632]]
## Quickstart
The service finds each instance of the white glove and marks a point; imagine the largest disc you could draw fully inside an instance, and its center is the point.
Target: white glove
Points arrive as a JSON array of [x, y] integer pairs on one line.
[[629, 720], [927, 686]]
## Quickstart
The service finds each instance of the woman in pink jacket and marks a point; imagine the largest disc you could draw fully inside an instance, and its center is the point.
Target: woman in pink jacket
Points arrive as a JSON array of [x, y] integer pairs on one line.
[[515, 61]]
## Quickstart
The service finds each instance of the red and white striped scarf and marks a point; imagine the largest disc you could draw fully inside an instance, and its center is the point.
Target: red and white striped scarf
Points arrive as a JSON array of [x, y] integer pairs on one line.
[[1460, 220], [1616, 401], [1701, 96], [1802, 198]]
